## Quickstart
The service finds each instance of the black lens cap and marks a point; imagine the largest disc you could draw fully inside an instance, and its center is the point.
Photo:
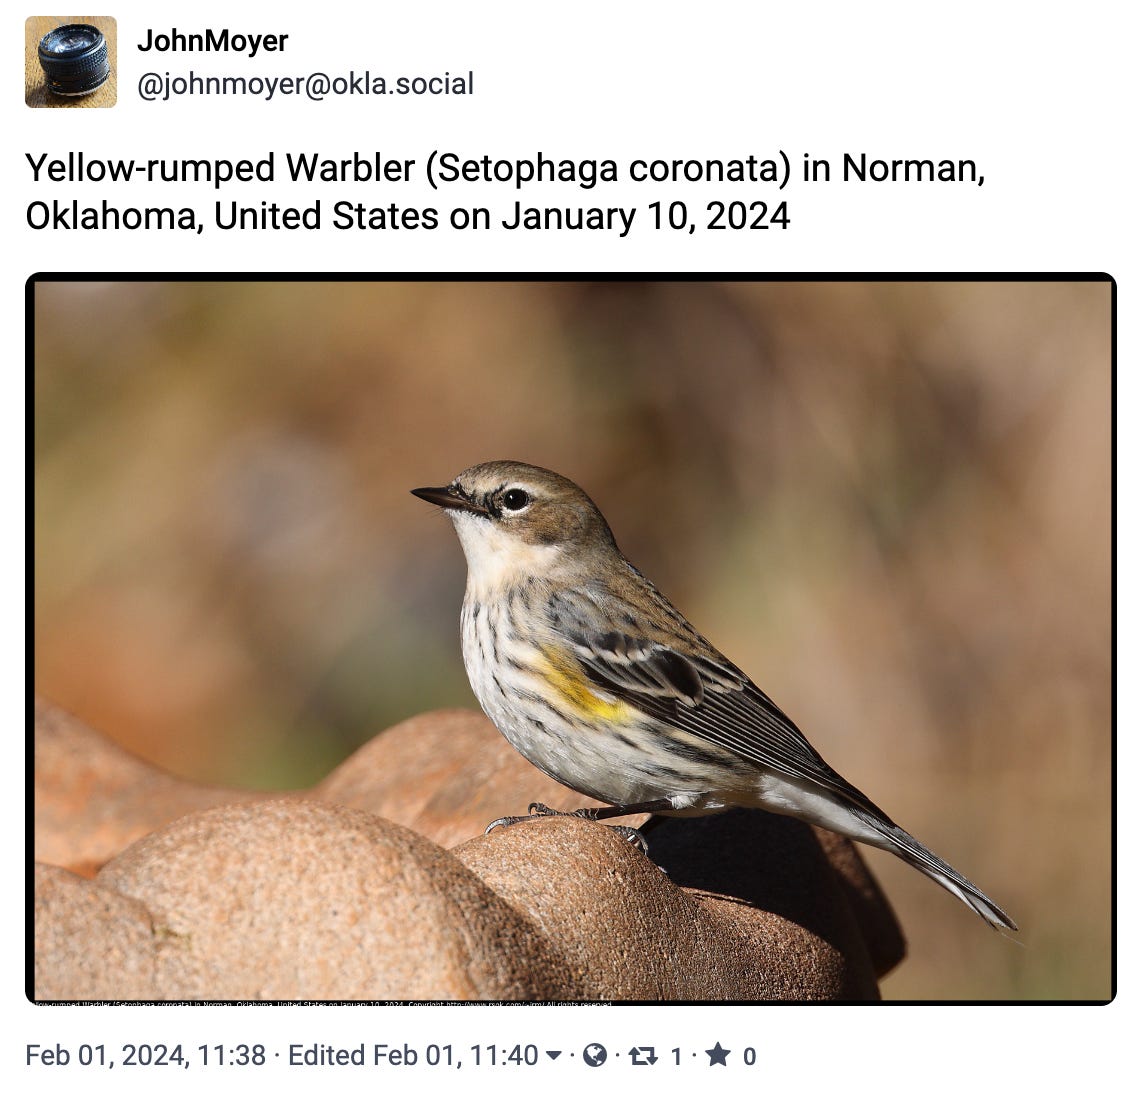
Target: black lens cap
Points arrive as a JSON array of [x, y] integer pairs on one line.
[[74, 59]]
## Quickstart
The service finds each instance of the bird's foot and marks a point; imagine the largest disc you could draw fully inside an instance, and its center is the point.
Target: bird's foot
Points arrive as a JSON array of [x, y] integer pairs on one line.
[[535, 810], [589, 814]]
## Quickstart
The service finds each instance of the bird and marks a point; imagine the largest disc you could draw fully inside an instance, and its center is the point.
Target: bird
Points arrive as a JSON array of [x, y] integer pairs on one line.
[[596, 679]]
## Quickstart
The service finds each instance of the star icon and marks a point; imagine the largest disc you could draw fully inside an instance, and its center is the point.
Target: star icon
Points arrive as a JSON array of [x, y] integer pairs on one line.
[[718, 1056]]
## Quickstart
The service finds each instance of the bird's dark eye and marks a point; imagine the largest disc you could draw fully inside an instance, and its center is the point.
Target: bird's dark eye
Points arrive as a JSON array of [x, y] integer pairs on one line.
[[515, 499]]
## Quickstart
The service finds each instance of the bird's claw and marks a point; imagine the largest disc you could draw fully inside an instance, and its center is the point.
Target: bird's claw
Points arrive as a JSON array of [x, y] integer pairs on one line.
[[509, 820], [633, 836], [541, 810], [534, 810]]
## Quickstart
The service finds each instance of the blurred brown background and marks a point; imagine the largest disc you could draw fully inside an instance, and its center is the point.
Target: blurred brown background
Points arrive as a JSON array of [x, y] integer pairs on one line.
[[889, 503]]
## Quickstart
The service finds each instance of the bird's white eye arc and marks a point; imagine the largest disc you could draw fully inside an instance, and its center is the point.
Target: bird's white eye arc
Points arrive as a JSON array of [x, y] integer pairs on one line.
[[515, 499]]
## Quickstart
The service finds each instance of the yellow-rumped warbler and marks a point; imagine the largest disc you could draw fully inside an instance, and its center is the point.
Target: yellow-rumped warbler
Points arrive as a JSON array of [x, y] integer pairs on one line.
[[596, 679]]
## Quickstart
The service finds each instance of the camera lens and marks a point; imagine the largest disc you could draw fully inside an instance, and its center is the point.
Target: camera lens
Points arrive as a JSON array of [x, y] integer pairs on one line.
[[74, 59]]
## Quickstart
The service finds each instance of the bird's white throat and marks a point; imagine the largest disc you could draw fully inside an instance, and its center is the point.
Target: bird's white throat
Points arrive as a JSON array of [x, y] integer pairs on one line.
[[497, 558]]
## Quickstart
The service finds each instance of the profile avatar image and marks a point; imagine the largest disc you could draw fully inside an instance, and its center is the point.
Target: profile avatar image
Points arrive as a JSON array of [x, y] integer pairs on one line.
[[70, 61], [74, 59]]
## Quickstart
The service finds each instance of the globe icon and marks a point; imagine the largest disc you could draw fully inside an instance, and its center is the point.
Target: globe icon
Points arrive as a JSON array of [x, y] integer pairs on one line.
[[594, 1054]]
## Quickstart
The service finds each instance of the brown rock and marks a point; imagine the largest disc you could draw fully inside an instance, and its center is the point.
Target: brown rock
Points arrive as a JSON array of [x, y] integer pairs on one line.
[[774, 877], [628, 931], [92, 798], [92, 944], [877, 922], [290, 900]]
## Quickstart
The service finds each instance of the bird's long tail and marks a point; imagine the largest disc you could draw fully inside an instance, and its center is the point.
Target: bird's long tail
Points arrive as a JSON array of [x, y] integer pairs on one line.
[[919, 856]]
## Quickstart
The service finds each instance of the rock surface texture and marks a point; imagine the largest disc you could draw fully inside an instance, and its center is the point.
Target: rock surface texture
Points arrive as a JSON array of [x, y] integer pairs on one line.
[[379, 884]]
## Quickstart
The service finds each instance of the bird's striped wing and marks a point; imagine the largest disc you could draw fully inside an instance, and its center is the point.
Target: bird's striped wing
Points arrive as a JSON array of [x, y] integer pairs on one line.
[[687, 684], [666, 670]]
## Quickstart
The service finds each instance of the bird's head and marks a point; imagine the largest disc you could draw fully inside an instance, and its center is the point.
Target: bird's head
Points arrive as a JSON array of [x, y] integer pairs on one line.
[[515, 520]]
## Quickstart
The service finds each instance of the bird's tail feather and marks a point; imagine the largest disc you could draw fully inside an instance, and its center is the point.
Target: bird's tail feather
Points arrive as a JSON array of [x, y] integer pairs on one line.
[[919, 856]]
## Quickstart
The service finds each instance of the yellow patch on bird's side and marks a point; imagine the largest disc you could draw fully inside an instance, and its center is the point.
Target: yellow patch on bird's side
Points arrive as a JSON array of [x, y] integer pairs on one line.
[[573, 686]]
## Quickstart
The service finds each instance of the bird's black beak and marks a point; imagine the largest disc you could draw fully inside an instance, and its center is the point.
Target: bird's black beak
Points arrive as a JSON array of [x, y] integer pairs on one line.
[[450, 498]]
